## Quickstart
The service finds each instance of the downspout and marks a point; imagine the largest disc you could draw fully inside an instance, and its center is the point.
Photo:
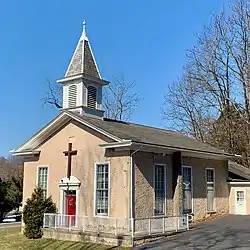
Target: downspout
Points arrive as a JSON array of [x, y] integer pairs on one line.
[[131, 190]]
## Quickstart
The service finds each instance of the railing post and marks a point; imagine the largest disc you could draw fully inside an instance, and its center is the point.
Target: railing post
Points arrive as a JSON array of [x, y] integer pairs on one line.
[[187, 222], [163, 225], [44, 220], [149, 226], [70, 222], [132, 227], [56, 218], [177, 220], [115, 226]]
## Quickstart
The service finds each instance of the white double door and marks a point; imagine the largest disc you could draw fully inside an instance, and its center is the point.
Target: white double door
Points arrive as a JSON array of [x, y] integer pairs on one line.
[[240, 206]]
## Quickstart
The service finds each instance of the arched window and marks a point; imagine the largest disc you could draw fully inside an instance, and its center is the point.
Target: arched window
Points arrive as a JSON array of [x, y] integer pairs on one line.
[[91, 97], [72, 96]]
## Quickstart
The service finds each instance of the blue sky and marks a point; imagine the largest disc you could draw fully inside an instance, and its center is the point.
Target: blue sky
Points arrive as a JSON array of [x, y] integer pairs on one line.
[[143, 40]]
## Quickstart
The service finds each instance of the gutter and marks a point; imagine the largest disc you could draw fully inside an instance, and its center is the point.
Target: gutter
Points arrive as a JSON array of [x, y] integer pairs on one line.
[[239, 182], [128, 143], [124, 143], [183, 149]]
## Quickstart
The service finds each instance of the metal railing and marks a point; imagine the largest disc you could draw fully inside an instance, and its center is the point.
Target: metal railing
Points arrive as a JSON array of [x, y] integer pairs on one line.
[[161, 224], [84, 223], [124, 226]]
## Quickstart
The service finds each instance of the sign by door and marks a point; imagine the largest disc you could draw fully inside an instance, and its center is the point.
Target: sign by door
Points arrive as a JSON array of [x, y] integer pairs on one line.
[[240, 202]]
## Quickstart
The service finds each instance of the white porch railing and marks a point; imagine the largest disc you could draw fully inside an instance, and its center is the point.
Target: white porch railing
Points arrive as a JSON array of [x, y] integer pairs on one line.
[[91, 224], [140, 226], [162, 224]]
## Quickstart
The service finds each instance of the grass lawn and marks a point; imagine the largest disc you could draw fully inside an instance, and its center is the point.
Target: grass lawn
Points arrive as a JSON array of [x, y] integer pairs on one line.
[[13, 239]]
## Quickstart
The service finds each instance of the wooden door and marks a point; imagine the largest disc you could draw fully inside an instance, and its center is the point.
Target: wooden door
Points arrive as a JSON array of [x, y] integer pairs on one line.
[[71, 208], [240, 202]]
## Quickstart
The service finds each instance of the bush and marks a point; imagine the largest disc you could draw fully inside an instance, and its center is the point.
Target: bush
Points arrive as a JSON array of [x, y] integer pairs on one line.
[[33, 213]]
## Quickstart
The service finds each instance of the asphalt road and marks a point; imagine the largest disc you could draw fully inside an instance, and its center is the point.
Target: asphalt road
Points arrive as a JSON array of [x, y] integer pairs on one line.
[[229, 232], [11, 225]]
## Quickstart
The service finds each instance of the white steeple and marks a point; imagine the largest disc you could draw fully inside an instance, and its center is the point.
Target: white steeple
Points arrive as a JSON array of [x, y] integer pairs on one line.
[[82, 83]]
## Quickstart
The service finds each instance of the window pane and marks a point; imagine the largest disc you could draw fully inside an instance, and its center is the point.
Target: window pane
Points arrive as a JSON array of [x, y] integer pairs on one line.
[[210, 190], [187, 189], [210, 200], [102, 176], [159, 189], [43, 179], [210, 175]]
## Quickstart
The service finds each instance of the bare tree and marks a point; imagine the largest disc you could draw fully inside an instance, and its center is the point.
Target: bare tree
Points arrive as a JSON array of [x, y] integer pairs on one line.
[[53, 95], [119, 99], [212, 97]]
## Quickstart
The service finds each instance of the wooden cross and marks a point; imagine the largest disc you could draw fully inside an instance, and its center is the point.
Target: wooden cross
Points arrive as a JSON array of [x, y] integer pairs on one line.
[[69, 153]]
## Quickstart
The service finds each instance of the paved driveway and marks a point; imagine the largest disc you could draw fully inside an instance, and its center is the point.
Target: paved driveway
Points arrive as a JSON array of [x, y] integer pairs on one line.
[[230, 232]]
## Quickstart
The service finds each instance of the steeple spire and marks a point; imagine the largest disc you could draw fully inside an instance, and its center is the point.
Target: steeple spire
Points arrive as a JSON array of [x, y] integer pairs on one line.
[[83, 61], [82, 83]]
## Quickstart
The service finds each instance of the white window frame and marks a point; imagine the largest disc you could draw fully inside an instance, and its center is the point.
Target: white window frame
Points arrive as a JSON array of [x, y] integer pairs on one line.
[[37, 177], [214, 210], [95, 173], [192, 187], [88, 95], [165, 191]]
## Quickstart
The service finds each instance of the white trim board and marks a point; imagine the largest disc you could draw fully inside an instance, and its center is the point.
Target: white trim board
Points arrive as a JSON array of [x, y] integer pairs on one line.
[[238, 183]]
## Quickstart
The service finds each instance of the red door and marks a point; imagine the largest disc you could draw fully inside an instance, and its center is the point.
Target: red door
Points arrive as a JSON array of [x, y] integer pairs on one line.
[[71, 208]]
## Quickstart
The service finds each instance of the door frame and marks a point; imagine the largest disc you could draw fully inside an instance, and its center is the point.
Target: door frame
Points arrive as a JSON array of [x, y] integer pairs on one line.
[[69, 184], [245, 200]]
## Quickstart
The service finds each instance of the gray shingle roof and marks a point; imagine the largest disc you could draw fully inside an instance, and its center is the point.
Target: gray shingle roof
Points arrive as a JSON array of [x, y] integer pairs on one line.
[[150, 135], [83, 60], [239, 170]]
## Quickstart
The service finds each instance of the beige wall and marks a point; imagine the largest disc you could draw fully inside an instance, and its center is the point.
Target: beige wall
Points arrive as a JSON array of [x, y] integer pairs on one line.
[[88, 153], [232, 197], [199, 185], [144, 184]]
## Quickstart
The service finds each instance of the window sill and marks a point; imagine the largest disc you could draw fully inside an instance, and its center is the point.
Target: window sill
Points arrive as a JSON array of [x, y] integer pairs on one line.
[[159, 215], [101, 215], [211, 212]]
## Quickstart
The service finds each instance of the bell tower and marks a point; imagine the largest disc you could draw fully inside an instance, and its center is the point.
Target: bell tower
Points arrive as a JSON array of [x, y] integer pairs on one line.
[[82, 83]]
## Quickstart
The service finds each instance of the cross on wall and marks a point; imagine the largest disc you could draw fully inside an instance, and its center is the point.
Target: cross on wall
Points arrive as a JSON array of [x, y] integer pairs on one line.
[[69, 153]]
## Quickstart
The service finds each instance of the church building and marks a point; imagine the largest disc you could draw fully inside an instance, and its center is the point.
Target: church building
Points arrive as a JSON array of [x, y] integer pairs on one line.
[[114, 181]]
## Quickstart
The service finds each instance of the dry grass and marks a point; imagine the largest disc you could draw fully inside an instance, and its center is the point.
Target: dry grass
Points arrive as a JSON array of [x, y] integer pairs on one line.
[[13, 239]]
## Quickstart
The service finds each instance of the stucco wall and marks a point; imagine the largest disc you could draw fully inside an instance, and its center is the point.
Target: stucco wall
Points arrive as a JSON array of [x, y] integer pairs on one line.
[[232, 197], [144, 183], [199, 185], [88, 153]]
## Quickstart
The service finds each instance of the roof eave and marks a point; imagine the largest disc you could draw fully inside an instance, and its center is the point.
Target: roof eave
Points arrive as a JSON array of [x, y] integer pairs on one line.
[[81, 76], [26, 153], [165, 149]]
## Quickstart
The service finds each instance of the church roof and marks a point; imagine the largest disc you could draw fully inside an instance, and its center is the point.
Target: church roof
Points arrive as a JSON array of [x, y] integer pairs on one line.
[[83, 61], [151, 135], [120, 132]]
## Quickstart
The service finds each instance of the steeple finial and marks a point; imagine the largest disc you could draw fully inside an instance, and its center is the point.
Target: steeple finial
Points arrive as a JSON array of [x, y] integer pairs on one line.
[[84, 27]]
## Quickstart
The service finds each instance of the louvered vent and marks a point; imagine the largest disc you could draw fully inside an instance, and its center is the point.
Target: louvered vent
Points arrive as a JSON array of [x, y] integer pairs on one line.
[[72, 96], [91, 97]]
